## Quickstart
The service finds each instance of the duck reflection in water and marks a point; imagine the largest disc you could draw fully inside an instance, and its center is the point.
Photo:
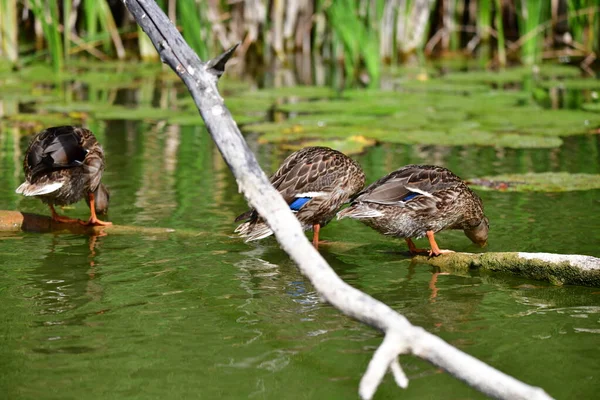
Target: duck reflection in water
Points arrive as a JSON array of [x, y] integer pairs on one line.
[[66, 277]]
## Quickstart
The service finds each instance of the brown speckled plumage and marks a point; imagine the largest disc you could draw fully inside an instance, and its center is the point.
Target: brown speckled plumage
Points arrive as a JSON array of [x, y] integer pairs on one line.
[[329, 178], [62, 166], [416, 199]]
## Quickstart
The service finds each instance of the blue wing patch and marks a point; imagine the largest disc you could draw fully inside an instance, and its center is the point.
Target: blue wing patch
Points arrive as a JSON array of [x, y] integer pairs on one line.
[[410, 196], [297, 204]]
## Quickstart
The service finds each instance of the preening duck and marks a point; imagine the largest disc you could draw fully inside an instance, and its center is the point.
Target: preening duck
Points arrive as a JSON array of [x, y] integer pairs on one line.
[[63, 165]]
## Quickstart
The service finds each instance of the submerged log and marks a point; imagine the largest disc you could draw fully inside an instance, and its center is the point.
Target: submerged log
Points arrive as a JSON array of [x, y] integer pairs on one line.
[[400, 336], [15, 221], [558, 269]]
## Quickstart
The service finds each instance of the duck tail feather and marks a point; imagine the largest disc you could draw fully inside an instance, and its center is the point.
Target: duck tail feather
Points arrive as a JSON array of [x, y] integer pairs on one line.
[[29, 189], [358, 211], [253, 230]]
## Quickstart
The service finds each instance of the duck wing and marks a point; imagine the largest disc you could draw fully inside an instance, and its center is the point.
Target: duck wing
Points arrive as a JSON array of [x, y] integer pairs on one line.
[[55, 149], [408, 183], [306, 174]]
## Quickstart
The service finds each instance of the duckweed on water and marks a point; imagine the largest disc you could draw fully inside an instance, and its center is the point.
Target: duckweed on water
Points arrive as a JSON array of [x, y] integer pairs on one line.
[[514, 75], [42, 120], [592, 107], [460, 108], [538, 182], [351, 145], [572, 84], [492, 118]]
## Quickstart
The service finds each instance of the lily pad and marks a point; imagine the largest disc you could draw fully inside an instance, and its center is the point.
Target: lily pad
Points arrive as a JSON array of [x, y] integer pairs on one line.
[[511, 75], [49, 119], [134, 113], [350, 145], [350, 108], [42, 73], [557, 71], [111, 80], [305, 92], [76, 106], [573, 84], [591, 107], [514, 75], [538, 182], [440, 86]]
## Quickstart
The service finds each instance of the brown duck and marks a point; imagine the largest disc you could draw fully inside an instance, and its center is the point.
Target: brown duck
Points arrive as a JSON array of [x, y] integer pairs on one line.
[[417, 201], [63, 165], [315, 182]]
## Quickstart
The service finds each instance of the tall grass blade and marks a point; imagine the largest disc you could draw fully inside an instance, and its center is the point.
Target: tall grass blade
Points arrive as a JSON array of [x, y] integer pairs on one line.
[[8, 30], [48, 17], [91, 11], [484, 19], [360, 45], [500, 31], [191, 22], [66, 28], [531, 13], [107, 22]]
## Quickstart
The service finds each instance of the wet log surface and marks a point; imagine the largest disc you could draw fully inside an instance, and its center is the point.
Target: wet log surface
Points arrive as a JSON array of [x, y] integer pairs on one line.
[[15, 221], [558, 269]]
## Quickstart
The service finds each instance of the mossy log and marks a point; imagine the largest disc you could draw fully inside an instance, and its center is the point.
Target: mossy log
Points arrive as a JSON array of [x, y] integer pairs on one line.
[[16, 221], [559, 269]]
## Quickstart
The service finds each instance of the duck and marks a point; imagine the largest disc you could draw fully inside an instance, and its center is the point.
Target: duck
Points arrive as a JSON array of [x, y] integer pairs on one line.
[[63, 165], [315, 182], [420, 200]]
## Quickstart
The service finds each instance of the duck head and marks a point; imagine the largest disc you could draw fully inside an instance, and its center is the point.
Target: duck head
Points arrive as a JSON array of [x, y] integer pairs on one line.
[[101, 199], [479, 233]]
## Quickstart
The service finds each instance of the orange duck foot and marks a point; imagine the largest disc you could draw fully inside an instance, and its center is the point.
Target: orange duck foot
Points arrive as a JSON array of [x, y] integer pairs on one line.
[[93, 221], [65, 220], [316, 229], [413, 249], [435, 250], [433, 253], [61, 219]]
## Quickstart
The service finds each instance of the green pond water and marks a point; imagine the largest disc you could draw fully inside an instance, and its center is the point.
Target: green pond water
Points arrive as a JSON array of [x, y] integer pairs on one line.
[[198, 313]]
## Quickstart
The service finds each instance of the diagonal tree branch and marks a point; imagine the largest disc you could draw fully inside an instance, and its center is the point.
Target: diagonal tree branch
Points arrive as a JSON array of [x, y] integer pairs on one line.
[[400, 335]]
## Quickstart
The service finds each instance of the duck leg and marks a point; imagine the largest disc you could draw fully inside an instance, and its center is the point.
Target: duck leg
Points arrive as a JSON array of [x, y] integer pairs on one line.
[[435, 250], [316, 229], [60, 218], [412, 248], [93, 218]]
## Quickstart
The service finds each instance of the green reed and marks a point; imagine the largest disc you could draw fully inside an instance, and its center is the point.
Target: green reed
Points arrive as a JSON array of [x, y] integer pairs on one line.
[[8, 30], [47, 14], [484, 19], [530, 16], [500, 33], [190, 16], [584, 22], [360, 43], [357, 36]]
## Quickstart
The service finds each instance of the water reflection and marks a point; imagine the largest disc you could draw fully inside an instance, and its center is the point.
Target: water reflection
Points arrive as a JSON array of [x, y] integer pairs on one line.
[[156, 195], [66, 277], [64, 283]]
